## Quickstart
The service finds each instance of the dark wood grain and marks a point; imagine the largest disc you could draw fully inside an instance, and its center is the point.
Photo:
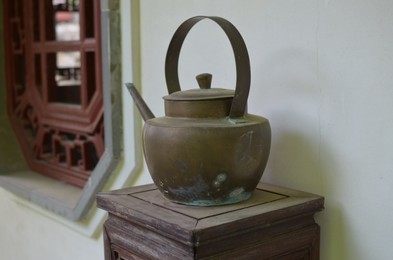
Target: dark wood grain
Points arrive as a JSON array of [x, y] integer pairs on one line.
[[276, 223]]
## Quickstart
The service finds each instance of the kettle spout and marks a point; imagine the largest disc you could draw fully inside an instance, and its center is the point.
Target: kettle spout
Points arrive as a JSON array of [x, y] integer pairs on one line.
[[139, 102]]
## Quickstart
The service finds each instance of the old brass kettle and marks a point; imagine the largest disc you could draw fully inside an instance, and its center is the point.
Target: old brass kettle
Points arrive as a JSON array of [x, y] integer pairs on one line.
[[207, 150]]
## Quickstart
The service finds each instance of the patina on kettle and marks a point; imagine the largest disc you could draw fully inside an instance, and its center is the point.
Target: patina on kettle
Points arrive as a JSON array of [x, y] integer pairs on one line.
[[207, 150]]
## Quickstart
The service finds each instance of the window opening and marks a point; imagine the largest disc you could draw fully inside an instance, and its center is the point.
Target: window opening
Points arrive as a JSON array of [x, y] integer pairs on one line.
[[65, 17]]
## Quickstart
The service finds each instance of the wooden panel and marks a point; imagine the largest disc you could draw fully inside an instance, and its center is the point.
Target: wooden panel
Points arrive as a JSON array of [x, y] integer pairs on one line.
[[144, 241], [276, 223], [167, 222], [299, 244], [119, 253], [238, 237]]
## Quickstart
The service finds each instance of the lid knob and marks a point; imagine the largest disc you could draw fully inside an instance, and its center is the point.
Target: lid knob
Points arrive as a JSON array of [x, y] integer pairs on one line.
[[204, 80]]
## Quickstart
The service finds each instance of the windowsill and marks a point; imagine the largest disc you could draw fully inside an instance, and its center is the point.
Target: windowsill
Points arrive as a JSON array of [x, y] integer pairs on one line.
[[51, 194], [41, 194], [40, 189], [16, 178]]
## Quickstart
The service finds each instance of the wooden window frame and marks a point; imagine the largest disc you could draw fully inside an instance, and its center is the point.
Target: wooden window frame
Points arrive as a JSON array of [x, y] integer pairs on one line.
[[70, 201], [59, 139]]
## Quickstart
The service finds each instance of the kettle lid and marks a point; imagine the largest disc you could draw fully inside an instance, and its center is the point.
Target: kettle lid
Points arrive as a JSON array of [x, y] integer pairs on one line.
[[200, 94], [204, 93]]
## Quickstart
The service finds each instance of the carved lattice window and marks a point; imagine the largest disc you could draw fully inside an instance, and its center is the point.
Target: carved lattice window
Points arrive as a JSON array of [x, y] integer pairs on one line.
[[54, 84]]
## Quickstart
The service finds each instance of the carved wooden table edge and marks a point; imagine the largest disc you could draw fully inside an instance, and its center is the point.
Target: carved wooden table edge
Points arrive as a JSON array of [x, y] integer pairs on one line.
[[274, 219]]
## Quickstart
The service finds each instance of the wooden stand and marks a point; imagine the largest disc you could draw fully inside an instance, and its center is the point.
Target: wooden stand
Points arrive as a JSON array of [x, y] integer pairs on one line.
[[275, 223]]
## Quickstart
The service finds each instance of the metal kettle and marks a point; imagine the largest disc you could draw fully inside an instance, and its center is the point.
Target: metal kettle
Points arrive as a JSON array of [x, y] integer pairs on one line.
[[207, 150]]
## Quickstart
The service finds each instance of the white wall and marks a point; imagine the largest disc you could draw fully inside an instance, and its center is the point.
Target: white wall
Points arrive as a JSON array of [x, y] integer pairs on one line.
[[26, 233], [321, 73]]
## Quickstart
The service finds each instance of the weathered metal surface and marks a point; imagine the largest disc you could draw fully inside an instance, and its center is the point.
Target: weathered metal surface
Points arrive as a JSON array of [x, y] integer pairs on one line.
[[207, 150]]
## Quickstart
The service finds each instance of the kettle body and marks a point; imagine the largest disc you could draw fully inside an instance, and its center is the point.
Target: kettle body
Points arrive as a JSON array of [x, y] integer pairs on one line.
[[207, 150], [206, 162]]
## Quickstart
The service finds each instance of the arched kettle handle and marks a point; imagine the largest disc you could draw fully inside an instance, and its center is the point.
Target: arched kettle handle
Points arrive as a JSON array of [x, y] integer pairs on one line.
[[243, 77]]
